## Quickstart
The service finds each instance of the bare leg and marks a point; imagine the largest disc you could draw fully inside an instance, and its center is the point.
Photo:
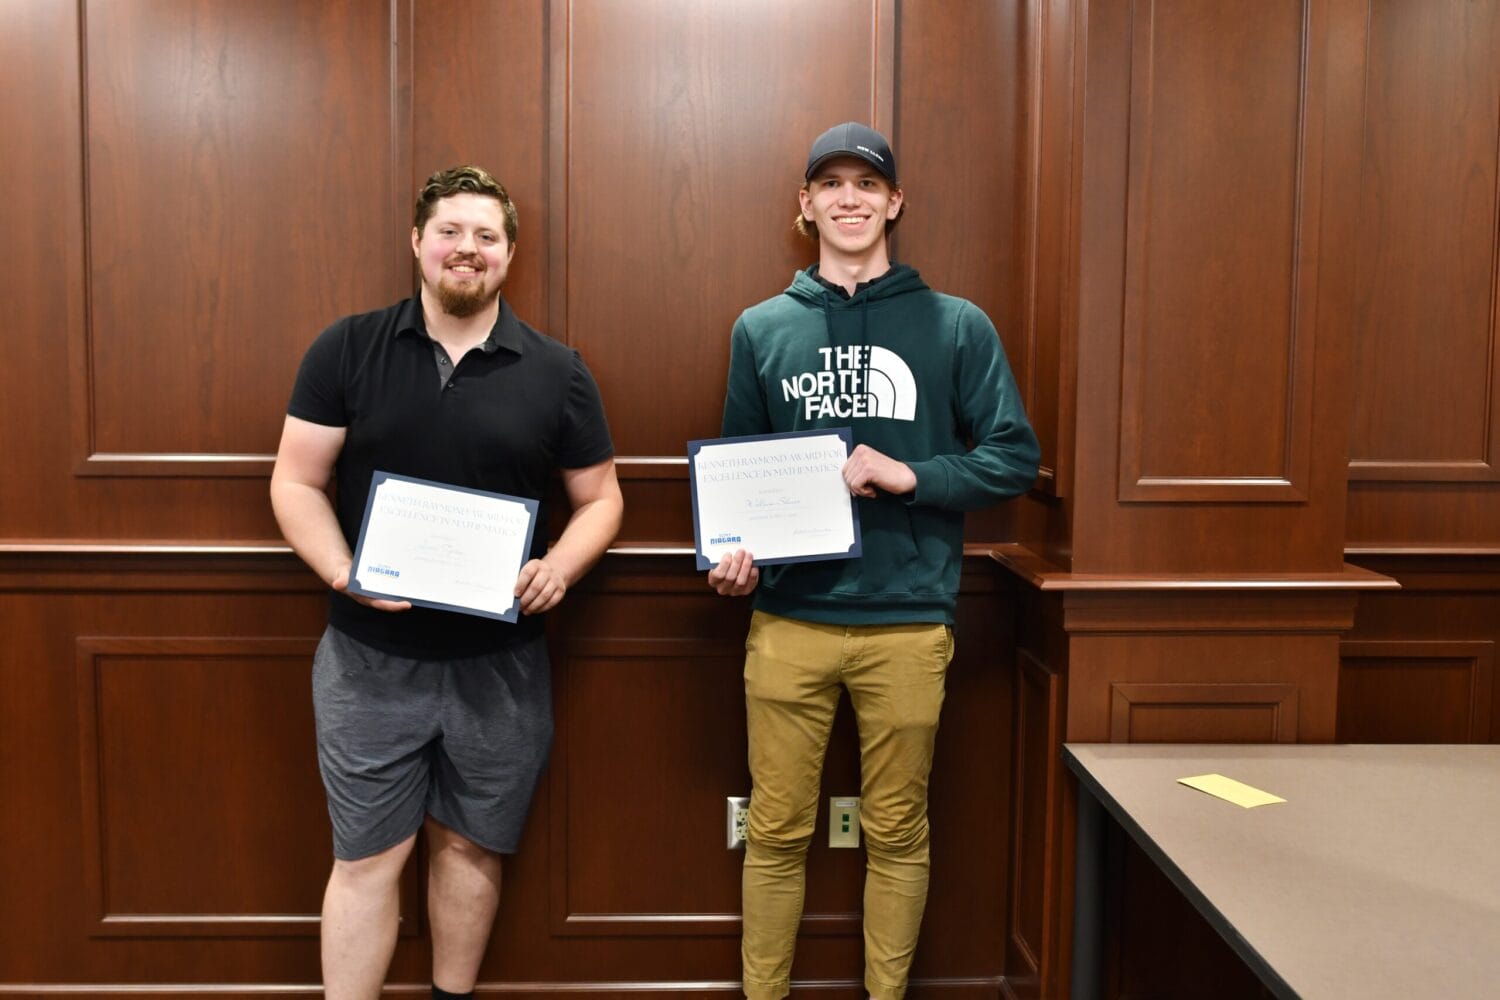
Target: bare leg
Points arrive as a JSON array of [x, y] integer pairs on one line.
[[463, 893], [360, 913]]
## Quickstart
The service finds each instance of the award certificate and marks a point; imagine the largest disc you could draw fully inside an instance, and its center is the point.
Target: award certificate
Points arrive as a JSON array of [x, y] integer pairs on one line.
[[440, 546], [780, 497]]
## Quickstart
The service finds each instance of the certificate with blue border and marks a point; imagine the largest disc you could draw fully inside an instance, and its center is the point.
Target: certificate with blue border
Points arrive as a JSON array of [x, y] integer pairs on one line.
[[441, 546], [780, 497]]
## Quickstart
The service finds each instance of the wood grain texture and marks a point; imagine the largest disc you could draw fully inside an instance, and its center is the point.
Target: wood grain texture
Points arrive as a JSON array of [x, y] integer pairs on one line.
[[1423, 446], [236, 154], [1426, 405], [158, 753], [1192, 393], [1221, 252]]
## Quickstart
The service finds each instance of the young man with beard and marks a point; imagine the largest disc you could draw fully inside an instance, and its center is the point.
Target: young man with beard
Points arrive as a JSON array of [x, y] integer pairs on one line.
[[431, 719], [922, 380]]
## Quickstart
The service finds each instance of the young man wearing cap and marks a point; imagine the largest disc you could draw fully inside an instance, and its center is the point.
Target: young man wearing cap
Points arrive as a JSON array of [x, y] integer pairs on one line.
[[922, 380]]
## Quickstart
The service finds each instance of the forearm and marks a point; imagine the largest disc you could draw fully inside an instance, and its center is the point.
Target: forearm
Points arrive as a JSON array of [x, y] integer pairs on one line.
[[309, 525], [589, 532]]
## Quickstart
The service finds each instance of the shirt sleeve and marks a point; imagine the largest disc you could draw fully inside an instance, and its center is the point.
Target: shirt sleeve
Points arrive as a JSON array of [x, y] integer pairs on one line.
[[585, 431], [745, 410], [1003, 461], [318, 393]]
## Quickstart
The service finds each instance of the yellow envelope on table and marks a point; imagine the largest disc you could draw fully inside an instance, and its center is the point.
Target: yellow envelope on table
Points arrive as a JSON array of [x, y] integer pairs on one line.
[[1230, 790]]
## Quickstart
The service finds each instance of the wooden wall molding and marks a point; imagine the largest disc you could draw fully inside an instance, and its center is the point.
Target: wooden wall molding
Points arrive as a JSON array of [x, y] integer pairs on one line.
[[586, 898], [957, 987], [1408, 662], [1251, 277], [153, 351], [1035, 846], [1427, 569], [1278, 702], [149, 774], [152, 568], [1428, 411]]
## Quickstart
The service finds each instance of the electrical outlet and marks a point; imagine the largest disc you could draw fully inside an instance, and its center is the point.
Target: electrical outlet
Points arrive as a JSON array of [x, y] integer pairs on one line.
[[737, 815], [843, 821]]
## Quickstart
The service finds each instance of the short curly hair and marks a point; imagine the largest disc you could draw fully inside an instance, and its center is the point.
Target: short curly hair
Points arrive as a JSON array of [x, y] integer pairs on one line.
[[464, 180]]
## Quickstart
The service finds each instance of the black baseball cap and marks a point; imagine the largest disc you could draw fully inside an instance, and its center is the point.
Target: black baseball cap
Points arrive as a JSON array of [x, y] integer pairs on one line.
[[853, 139]]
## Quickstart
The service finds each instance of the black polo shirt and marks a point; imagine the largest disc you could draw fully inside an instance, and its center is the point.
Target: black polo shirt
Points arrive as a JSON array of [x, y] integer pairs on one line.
[[507, 418]]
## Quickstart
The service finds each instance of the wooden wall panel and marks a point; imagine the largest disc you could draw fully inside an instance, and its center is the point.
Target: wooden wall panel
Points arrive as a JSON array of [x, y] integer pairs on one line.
[[1419, 664], [1426, 421], [1415, 692], [959, 74], [488, 104], [218, 234], [961, 70], [1035, 844], [175, 756], [619, 130], [1221, 253], [1212, 318], [689, 724], [684, 150], [1426, 406], [156, 747], [1218, 712]]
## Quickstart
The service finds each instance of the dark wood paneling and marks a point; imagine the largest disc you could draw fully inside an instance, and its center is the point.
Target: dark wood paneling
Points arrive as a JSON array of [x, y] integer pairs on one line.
[[1426, 421], [1426, 399], [1035, 847], [1051, 115], [1419, 664], [684, 151], [1415, 692], [179, 739], [1221, 253], [156, 748], [1180, 360], [487, 104], [662, 129], [256, 232], [960, 74], [686, 719], [1203, 713]]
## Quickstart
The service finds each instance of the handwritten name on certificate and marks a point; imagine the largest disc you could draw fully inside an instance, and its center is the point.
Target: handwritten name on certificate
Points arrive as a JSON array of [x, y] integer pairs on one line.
[[780, 497], [445, 547]]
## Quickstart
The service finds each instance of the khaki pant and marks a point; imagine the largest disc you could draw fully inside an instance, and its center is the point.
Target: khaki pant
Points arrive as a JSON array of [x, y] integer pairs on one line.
[[793, 671]]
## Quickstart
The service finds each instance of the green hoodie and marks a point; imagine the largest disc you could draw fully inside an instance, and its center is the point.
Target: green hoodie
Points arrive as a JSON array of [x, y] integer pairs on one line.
[[937, 380]]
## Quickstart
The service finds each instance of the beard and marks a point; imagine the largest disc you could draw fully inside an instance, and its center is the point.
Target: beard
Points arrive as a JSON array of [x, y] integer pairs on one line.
[[464, 301], [467, 299]]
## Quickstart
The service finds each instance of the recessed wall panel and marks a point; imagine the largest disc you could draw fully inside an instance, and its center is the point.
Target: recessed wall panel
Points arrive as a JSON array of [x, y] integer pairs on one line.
[[688, 126], [1425, 395], [1218, 219], [196, 779], [240, 197]]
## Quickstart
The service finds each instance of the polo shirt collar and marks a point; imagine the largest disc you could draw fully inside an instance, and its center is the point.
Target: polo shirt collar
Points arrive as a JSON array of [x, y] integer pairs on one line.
[[506, 333]]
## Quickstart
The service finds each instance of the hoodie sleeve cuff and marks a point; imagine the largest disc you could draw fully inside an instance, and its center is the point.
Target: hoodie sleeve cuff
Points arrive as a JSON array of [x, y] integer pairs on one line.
[[932, 483]]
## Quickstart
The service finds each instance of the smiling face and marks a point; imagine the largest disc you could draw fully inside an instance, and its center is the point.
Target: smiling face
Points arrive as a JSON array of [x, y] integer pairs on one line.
[[850, 203], [463, 253]]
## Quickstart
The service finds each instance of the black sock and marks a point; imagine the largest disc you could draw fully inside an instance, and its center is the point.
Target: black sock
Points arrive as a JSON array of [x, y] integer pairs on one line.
[[442, 994]]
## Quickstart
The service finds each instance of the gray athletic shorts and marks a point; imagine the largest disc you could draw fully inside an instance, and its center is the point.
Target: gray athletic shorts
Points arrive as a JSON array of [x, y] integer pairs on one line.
[[398, 739]]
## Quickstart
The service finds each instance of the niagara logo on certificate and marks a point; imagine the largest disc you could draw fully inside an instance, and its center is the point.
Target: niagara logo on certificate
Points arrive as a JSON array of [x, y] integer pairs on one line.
[[724, 539], [384, 570]]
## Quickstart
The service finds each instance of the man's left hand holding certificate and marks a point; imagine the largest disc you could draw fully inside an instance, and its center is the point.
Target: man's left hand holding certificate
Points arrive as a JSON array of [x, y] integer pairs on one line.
[[444, 547]]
